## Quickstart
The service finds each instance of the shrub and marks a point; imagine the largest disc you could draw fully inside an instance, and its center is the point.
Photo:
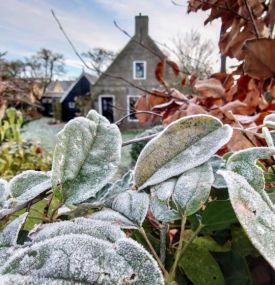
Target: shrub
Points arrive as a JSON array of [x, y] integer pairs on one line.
[[16, 154], [182, 202]]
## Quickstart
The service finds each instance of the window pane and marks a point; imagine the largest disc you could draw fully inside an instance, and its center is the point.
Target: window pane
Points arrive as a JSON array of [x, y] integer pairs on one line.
[[139, 66]]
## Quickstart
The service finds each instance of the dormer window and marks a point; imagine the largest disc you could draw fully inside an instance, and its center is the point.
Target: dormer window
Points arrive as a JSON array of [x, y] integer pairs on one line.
[[139, 69]]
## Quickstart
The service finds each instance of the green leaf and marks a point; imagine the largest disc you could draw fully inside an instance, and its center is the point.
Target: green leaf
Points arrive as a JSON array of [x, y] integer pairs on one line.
[[255, 213], [28, 185], [133, 205], [85, 259], [235, 269], [183, 145], [218, 216], [241, 244], [193, 188], [244, 163], [200, 266], [207, 242], [268, 137], [86, 157]]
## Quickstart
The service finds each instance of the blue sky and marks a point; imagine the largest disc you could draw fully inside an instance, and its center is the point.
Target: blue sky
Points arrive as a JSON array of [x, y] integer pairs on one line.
[[27, 25]]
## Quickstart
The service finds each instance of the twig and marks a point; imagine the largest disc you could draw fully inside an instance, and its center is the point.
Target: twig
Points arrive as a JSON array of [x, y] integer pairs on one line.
[[163, 240], [252, 18], [142, 231], [137, 112], [148, 138], [172, 272]]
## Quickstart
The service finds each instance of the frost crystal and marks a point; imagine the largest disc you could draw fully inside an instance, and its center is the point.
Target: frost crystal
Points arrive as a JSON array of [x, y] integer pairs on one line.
[[183, 145], [86, 156]]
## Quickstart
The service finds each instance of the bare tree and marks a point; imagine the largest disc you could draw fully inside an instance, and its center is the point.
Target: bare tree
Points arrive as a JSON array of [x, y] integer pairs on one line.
[[194, 54], [44, 65], [100, 59]]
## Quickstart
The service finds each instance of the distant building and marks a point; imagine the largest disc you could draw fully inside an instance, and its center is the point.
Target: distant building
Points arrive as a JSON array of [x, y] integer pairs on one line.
[[136, 63], [111, 97], [60, 99]]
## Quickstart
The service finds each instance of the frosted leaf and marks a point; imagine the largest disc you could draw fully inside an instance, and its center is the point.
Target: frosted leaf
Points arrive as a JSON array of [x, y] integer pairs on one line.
[[28, 185], [109, 215], [162, 211], [269, 121], [256, 216], [218, 163], [106, 195], [86, 156], [11, 279], [244, 163], [268, 137], [9, 235], [81, 258], [160, 200], [183, 145], [94, 228], [145, 267], [133, 205], [4, 190], [193, 188]]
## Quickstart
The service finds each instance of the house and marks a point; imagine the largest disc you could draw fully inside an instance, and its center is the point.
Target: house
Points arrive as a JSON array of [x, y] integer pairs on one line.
[[54, 92], [115, 98], [61, 97]]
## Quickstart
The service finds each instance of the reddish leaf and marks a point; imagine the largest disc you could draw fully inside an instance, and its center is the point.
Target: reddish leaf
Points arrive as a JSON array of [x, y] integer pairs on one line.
[[210, 88], [259, 58]]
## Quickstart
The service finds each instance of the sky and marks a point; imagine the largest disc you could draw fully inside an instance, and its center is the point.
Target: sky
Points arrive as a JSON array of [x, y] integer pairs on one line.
[[28, 25]]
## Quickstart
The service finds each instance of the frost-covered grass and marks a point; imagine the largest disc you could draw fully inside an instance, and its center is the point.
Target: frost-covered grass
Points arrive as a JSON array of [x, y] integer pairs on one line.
[[40, 131]]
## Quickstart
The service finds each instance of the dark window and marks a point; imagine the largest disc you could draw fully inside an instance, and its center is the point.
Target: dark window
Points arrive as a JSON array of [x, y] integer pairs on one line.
[[131, 107], [107, 108]]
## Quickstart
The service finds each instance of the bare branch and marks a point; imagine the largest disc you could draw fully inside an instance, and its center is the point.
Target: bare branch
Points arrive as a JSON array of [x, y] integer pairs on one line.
[[134, 113]]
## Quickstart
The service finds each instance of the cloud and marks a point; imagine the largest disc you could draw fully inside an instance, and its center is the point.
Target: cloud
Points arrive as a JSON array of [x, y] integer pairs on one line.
[[28, 25]]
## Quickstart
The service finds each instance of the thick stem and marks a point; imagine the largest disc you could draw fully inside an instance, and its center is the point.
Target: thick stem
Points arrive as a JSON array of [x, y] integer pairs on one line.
[[142, 231], [172, 272]]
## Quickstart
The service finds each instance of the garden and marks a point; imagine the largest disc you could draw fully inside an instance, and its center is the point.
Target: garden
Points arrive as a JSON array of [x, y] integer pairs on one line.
[[190, 201]]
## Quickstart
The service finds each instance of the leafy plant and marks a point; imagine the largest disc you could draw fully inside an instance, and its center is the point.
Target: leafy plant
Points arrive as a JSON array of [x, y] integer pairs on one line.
[[177, 218], [18, 155]]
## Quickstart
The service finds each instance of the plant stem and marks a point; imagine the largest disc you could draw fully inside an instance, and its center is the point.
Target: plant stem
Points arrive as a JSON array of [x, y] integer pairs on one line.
[[163, 240], [172, 272], [142, 231]]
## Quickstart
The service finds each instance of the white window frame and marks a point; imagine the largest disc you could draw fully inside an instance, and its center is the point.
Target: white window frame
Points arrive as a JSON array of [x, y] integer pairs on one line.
[[128, 107], [145, 70], [100, 102]]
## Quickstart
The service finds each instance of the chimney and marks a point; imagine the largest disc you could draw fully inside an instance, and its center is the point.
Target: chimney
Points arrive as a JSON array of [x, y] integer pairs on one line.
[[141, 26]]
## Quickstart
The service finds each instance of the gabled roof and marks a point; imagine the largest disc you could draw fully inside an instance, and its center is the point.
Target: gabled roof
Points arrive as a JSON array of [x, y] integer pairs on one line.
[[51, 89], [134, 40], [89, 77]]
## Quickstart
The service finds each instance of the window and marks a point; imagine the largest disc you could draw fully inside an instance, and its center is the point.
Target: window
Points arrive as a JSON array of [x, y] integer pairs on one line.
[[131, 101], [139, 69], [71, 105]]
